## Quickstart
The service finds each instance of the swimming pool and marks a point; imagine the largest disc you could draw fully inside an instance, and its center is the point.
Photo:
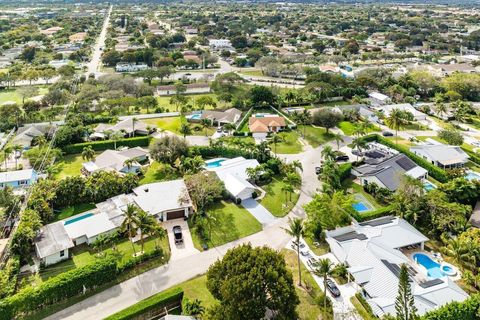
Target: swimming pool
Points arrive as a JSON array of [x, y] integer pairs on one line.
[[427, 185], [77, 218], [434, 269], [361, 204], [360, 207], [214, 163], [472, 175], [195, 116]]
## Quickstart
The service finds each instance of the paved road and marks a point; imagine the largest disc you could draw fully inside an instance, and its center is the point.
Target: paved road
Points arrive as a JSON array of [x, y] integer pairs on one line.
[[92, 66]]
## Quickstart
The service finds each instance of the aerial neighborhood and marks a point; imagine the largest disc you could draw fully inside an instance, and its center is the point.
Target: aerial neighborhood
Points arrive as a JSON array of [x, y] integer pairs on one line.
[[239, 160]]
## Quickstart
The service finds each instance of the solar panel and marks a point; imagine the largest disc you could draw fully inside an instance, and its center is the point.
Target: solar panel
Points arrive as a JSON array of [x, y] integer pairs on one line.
[[378, 222], [395, 269], [350, 236], [405, 163], [430, 283]]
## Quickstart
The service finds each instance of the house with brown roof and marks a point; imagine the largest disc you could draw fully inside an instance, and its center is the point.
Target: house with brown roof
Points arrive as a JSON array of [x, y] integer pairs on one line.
[[78, 37], [261, 126]]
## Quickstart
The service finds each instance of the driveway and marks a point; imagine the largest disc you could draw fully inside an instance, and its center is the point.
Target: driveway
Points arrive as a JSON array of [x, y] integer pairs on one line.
[[258, 211], [184, 249], [198, 140]]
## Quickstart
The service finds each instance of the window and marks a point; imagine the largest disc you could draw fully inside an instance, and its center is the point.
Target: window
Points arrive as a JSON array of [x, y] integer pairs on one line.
[[22, 182], [62, 253]]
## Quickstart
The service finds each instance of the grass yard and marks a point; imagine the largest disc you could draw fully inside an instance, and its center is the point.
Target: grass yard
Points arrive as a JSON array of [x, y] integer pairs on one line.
[[314, 135], [348, 128], [229, 222], [158, 172], [74, 210], [364, 313], [320, 250], [401, 141], [13, 94], [356, 188], [289, 145], [252, 73], [276, 200], [84, 254], [173, 124], [164, 101], [308, 309], [70, 165], [414, 126]]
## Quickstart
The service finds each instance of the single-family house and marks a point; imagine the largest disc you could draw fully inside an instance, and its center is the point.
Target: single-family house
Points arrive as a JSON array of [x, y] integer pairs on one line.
[[379, 99], [130, 67], [78, 37], [87, 228], [128, 127], [220, 44], [363, 111], [52, 243], [406, 107], [26, 134], [50, 31], [389, 172], [219, 118], [165, 200], [233, 173], [374, 252], [262, 126], [18, 178], [441, 155], [123, 161]]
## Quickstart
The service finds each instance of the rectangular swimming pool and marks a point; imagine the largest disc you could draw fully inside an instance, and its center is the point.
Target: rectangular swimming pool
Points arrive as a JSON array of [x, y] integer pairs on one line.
[[215, 163], [427, 185], [78, 218], [472, 175]]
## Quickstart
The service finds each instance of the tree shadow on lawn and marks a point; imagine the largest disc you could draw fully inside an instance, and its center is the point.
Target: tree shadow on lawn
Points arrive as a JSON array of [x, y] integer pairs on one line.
[[223, 227]]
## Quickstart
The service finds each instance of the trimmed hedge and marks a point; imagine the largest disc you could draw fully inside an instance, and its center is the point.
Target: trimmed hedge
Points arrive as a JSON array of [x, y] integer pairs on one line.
[[61, 287], [385, 211], [143, 141], [434, 171], [209, 152], [466, 310], [155, 302], [345, 170]]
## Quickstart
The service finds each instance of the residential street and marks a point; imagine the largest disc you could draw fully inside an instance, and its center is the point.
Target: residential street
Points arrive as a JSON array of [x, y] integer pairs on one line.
[[92, 66]]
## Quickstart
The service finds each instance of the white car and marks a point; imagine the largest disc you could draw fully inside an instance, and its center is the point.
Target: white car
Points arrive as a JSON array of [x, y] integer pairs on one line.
[[475, 143]]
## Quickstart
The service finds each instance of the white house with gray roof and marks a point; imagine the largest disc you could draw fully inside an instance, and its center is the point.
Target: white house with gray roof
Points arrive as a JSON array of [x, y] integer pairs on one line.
[[374, 251], [123, 161], [442, 155]]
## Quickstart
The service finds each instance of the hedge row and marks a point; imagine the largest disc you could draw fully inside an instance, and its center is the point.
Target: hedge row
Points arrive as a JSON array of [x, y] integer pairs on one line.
[[61, 287], [345, 170], [143, 141], [385, 211], [156, 302], [466, 310], [474, 157], [209, 152], [434, 171]]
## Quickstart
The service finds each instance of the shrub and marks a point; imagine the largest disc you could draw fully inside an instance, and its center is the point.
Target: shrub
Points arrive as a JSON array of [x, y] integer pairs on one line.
[[209, 152], [132, 262], [107, 144], [158, 301], [385, 211], [61, 287], [466, 310], [344, 170]]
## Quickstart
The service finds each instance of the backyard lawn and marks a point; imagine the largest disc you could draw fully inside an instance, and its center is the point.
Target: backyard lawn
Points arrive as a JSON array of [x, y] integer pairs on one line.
[[74, 210], [252, 73], [164, 101], [13, 94], [84, 254], [173, 124], [158, 172], [70, 165], [314, 135], [275, 200], [348, 128], [228, 222], [289, 145]]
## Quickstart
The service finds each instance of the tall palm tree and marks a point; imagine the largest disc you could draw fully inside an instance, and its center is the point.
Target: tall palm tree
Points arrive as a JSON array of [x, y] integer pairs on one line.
[[115, 136], [146, 225], [205, 124], [395, 121], [327, 153], [324, 268], [456, 249], [129, 163], [290, 96], [296, 164], [338, 138], [359, 144], [296, 230], [88, 154], [17, 148], [185, 130], [134, 120], [130, 223], [441, 109], [276, 139], [7, 151]]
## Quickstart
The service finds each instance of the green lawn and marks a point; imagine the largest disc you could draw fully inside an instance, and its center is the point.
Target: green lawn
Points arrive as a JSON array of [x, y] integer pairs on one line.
[[70, 165], [164, 101], [74, 210], [349, 184], [252, 73], [364, 313], [348, 128], [276, 200], [173, 124], [84, 254], [229, 222], [159, 172], [289, 145], [314, 135], [13, 94]]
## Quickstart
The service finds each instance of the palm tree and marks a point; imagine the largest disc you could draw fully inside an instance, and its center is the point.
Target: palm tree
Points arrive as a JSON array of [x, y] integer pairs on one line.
[[338, 138], [229, 127], [327, 153], [456, 249], [276, 139], [146, 224], [7, 151], [185, 130], [359, 144], [158, 232], [88, 154], [41, 141], [17, 148], [205, 124], [324, 268], [296, 230], [130, 223], [395, 121], [134, 120], [129, 163], [290, 96], [441, 109], [296, 164], [115, 136]]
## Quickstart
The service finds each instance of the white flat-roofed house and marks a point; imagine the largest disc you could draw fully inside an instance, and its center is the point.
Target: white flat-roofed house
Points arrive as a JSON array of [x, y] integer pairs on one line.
[[52, 243], [88, 229], [406, 107], [128, 127], [123, 161], [441, 155], [378, 98], [372, 251], [18, 179], [166, 200], [220, 44], [130, 67]]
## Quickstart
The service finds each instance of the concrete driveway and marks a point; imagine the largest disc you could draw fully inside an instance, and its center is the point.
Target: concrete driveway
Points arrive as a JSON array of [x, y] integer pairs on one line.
[[258, 211], [184, 249]]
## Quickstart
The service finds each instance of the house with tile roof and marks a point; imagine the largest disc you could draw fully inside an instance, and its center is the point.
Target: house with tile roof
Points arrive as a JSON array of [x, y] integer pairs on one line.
[[260, 127]]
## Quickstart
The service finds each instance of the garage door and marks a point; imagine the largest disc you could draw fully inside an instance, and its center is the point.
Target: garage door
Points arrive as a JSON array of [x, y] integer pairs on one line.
[[175, 214]]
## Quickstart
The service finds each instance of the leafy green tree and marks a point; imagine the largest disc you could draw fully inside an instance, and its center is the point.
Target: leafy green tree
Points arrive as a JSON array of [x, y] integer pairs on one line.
[[452, 137], [260, 95], [329, 211], [295, 230], [249, 281], [405, 303], [168, 149], [185, 130], [192, 307], [204, 188], [327, 118]]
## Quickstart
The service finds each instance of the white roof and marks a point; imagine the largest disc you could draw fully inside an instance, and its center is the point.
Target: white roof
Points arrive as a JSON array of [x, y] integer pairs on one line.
[[407, 107], [159, 197], [445, 154], [236, 185], [90, 227], [378, 96], [18, 175], [235, 167], [416, 172], [114, 159]]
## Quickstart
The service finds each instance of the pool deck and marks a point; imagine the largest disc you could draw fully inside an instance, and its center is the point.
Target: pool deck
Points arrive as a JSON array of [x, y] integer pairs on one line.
[[421, 275]]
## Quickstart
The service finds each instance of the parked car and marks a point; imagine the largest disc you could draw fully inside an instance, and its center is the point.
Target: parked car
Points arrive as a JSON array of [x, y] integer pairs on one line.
[[318, 170], [177, 233], [387, 134], [301, 244], [342, 158], [305, 253], [311, 262], [476, 143], [332, 287], [219, 129]]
